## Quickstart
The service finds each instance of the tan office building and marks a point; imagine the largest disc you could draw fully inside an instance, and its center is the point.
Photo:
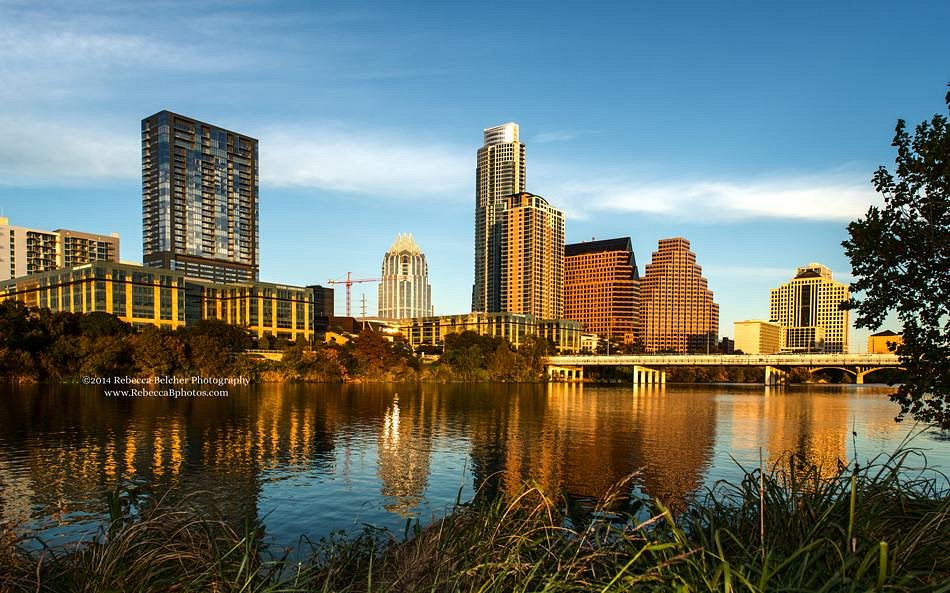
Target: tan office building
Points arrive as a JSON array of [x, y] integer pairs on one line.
[[808, 309], [757, 337], [25, 251], [263, 308], [878, 343], [166, 298], [137, 295], [677, 312], [531, 259], [431, 331], [602, 287]]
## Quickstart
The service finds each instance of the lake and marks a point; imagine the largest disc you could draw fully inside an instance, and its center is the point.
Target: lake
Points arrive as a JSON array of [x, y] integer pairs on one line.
[[309, 459]]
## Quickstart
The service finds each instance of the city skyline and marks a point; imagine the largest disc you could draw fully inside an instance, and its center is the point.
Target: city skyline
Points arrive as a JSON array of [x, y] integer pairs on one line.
[[754, 138]]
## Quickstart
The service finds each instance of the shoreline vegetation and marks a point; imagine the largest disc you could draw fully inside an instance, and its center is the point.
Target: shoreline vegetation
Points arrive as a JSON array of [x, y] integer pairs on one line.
[[40, 346], [884, 526]]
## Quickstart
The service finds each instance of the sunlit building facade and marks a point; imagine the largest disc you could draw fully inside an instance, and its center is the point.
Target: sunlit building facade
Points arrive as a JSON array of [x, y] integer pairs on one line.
[[677, 311], [25, 251], [404, 289], [755, 336], [602, 287], [137, 295], [531, 235], [500, 172], [880, 343], [200, 194], [808, 308], [264, 309], [166, 298], [431, 331]]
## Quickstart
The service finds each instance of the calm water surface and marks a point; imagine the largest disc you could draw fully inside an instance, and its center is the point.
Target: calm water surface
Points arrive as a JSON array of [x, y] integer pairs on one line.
[[309, 459]]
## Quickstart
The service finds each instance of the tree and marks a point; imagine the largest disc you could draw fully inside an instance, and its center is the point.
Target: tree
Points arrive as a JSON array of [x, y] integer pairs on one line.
[[900, 255], [157, 352], [232, 338]]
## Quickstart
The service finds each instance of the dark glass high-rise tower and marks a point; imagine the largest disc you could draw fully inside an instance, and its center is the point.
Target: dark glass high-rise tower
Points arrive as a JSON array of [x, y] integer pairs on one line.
[[200, 193]]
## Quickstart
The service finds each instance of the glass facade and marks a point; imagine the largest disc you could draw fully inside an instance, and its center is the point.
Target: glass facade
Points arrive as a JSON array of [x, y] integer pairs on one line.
[[278, 310], [136, 295], [151, 296], [431, 331], [200, 191]]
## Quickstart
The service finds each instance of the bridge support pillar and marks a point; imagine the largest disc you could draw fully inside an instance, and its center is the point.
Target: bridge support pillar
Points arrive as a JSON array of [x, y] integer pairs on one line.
[[648, 376], [775, 376], [569, 374]]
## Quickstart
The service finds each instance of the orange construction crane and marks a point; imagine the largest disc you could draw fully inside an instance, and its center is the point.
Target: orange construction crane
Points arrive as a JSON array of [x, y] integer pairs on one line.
[[349, 282]]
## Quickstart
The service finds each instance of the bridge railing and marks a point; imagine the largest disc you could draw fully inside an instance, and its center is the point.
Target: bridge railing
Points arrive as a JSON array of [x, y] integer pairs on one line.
[[810, 360]]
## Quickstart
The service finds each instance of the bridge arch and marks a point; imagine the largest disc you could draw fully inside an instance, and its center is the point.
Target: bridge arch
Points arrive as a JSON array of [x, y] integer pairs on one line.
[[859, 373]]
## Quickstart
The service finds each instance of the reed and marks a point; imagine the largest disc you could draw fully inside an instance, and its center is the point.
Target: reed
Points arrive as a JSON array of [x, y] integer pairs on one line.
[[884, 526]]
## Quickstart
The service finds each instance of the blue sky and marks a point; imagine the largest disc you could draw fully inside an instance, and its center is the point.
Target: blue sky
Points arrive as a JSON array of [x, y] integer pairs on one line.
[[750, 128]]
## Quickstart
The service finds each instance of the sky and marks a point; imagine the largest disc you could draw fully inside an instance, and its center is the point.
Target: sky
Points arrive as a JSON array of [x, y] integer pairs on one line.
[[750, 128]]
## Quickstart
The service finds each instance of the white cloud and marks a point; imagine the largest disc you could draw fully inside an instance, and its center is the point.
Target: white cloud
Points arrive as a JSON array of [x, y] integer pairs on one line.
[[363, 162], [58, 152], [56, 61], [828, 196], [320, 157], [555, 136]]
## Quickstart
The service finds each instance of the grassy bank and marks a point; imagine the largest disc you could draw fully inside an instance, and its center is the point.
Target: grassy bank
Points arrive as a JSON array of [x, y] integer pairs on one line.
[[881, 527]]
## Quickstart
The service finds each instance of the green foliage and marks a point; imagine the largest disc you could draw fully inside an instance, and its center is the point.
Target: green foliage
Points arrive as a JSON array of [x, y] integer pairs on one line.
[[157, 353], [99, 324], [207, 355], [39, 345], [901, 257], [232, 338], [470, 357], [323, 364], [371, 357]]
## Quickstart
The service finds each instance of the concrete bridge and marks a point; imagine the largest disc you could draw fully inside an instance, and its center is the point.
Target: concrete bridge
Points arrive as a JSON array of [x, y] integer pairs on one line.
[[646, 367]]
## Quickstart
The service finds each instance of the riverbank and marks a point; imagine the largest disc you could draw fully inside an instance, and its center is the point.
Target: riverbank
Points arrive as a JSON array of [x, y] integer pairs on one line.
[[878, 527]]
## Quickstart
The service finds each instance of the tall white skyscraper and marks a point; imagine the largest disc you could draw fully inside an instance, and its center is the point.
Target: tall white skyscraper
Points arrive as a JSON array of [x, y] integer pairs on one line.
[[404, 290], [500, 172]]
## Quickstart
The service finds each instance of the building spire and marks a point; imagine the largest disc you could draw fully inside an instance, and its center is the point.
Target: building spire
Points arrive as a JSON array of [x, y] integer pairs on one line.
[[405, 242]]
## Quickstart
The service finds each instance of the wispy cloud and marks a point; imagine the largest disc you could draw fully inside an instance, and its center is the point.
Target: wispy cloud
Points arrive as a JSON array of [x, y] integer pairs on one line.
[[324, 156], [46, 62], [555, 136], [346, 158], [825, 196], [561, 135], [57, 152], [381, 164]]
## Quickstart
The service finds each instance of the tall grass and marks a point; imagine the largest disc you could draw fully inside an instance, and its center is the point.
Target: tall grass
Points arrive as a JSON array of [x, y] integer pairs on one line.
[[879, 527]]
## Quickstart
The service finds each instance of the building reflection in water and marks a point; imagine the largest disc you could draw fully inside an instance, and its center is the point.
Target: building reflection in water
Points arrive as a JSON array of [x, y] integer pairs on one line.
[[326, 453], [404, 449], [583, 441]]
